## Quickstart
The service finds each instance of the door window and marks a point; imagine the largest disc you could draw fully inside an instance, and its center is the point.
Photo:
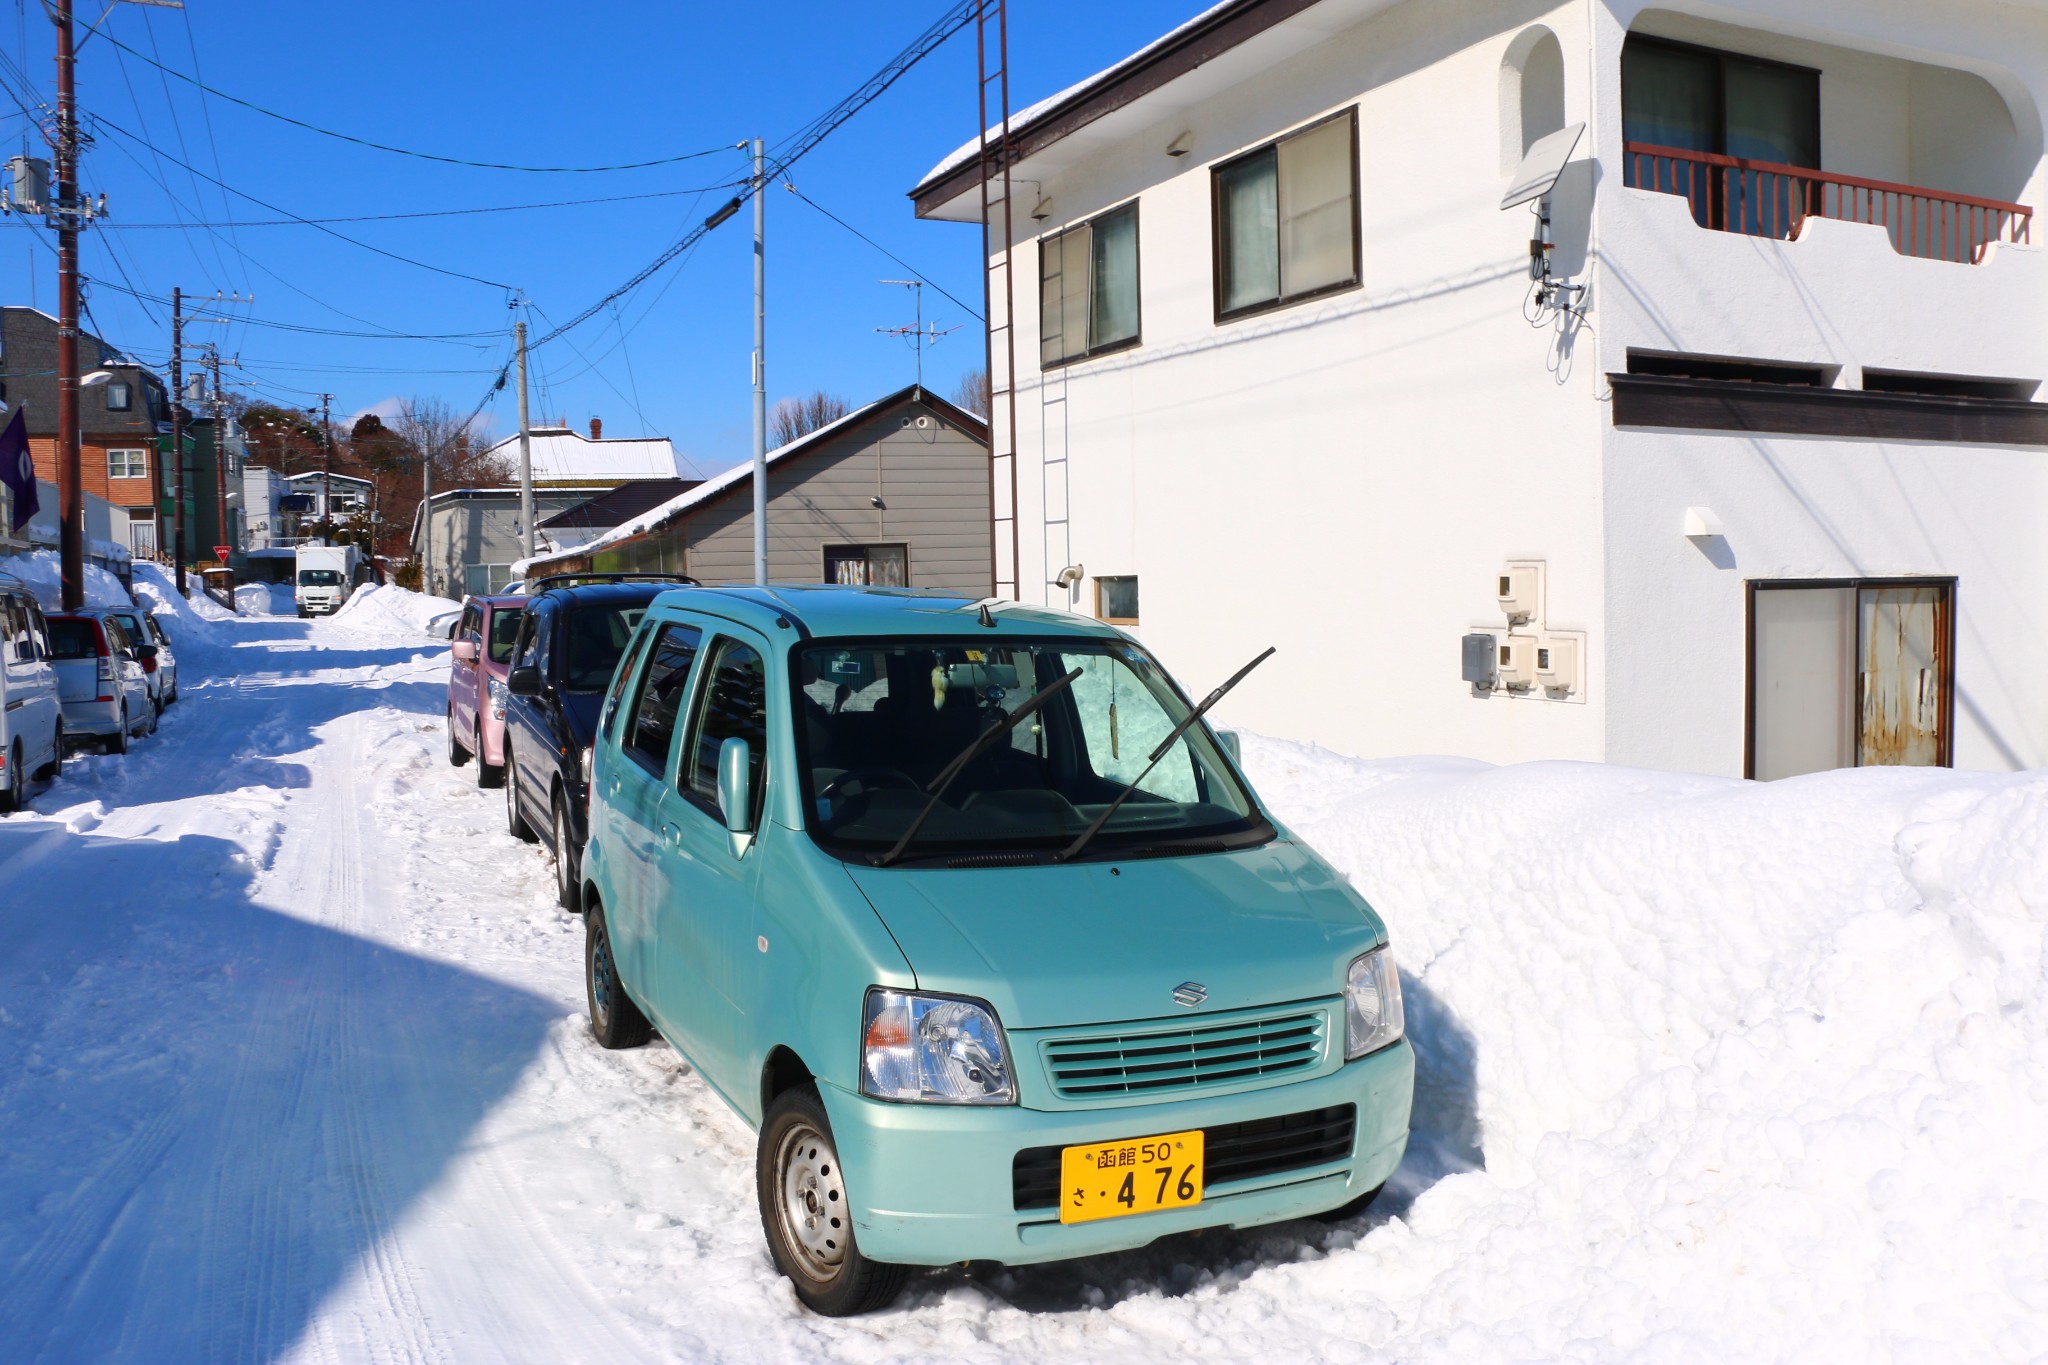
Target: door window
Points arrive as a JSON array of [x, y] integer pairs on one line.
[[1850, 674], [661, 696], [732, 705]]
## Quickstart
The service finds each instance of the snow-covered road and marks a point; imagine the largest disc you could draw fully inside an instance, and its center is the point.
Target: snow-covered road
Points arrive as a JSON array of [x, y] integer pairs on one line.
[[293, 1067]]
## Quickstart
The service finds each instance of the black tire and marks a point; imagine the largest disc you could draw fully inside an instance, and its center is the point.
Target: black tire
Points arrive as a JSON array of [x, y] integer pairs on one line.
[[54, 769], [488, 774], [457, 755], [515, 823], [568, 860], [1344, 1213], [615, 1021], [119, 743], [806, 1216], [14, 795], [155, 719]]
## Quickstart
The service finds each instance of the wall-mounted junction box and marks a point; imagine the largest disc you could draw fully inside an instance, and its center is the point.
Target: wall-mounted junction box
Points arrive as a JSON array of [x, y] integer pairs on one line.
[[1478, 660], [1557, 663], [1520, 586], [1515, 660]]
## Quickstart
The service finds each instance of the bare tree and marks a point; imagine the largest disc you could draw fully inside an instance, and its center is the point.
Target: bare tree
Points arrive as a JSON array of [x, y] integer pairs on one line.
[[795, 418], [971, 392]]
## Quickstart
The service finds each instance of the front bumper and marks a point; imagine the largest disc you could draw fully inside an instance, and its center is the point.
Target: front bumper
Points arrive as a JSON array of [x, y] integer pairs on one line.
[[931, 1184]]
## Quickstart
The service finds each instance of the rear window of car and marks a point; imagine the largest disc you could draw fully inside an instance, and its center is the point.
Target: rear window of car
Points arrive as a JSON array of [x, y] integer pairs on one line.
[[71, 638]]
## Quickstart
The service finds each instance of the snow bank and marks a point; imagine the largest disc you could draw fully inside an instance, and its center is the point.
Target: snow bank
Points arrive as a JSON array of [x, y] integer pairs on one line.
[[387, 609], [42, 570], [266, 599], [1709, 1070]]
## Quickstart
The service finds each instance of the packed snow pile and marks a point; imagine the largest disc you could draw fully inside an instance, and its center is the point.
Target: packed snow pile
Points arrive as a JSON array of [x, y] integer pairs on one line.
[[389, 610], [266, 599], [42, 570], [1708, 1070]]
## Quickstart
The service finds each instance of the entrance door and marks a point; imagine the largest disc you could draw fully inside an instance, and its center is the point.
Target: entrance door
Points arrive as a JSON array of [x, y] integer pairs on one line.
[[1848, 674]]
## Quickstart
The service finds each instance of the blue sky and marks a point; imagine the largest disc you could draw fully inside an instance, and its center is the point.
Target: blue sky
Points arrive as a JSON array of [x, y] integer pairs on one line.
[[538, 84]]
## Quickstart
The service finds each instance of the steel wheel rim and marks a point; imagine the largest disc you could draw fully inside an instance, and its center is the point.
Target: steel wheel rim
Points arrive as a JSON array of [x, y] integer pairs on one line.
[[811, 1202], [601, 981]]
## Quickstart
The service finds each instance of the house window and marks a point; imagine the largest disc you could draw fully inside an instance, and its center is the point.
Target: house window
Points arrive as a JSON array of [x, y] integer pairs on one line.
[[117, 396], [1850, 673], [128, 464], [1116, 600], [1287, 219], [875, 566], [1088, 288]]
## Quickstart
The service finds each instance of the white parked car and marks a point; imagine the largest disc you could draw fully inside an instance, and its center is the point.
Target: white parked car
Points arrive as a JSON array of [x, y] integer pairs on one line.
[[31, 719], [162, 671], [100, 681]]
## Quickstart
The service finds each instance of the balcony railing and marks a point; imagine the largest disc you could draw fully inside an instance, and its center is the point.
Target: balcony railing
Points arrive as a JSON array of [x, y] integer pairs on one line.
[[1764, 199]]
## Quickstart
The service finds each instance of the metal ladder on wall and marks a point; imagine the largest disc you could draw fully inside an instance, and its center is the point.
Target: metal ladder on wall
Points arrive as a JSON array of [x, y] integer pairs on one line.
[[998, 154]]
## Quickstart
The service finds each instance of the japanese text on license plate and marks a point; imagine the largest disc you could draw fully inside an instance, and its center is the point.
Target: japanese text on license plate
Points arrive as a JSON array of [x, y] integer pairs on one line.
[[1135, 1175]]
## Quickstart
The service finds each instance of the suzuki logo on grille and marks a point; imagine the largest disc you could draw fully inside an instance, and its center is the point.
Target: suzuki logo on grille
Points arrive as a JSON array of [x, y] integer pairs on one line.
[[1190, 993]]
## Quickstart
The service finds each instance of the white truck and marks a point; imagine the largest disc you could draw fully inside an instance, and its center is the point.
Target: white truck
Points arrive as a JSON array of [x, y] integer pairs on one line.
[[326, 575]]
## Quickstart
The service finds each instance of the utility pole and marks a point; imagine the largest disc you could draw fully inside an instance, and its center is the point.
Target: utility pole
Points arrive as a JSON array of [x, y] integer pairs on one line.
[[525, 443], [177, 433], [70, 487], [326, 468], [760, 366], [426, 515], [220, 449]]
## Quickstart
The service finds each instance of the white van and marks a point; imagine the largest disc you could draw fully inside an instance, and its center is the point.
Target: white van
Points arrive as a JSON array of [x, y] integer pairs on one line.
[[31, 718], [326, 576]]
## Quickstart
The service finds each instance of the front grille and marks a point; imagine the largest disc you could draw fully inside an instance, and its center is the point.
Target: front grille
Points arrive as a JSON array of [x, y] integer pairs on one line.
[[1148, 1061], [1230, 1151]]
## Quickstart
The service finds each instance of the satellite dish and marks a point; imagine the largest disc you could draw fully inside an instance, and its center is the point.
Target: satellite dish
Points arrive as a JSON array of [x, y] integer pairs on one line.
[[1545, 162]]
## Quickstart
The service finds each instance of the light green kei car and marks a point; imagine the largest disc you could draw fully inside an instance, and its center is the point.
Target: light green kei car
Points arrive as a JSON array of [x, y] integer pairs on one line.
[[977, 921]]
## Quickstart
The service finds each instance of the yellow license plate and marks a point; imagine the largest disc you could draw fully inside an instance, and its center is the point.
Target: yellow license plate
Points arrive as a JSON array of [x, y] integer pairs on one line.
[[1136, 1175]]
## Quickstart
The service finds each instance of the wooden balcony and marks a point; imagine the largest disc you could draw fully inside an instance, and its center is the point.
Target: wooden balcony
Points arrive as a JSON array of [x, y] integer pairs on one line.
[[1763, 199]]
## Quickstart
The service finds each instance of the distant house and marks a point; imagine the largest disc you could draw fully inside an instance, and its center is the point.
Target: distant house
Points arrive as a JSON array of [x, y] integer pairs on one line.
[[893, 493], [477, 535], [583, 523], [1734, 460], [566, 458]]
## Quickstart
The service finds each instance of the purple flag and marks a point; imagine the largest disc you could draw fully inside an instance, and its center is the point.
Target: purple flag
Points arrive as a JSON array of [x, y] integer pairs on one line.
[[18, 471]]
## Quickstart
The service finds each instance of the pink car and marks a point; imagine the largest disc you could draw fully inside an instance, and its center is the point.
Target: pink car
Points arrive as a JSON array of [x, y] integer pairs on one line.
[[481, 646]]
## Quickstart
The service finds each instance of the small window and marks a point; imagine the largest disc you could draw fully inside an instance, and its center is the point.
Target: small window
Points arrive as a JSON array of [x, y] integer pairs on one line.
[[117, 396], [1116, 600], [874, 566], [1088, 288], [732, 705], [127, 464], [1287, 219], [661, 696]]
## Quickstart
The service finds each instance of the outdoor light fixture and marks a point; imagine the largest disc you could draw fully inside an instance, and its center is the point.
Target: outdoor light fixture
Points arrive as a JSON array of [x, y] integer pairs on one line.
[[96, 377]]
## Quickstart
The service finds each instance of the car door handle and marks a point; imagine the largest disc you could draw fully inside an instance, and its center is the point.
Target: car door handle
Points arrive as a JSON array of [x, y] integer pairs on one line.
[[668, 833]]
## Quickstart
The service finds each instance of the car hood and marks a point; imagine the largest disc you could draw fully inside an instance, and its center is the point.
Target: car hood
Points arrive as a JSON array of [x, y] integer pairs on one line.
[[1102, 942]]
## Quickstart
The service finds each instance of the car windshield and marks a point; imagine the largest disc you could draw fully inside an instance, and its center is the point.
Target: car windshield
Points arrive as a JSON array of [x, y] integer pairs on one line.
[[879, 720], [504, 633], [318, 578], [594, 637]]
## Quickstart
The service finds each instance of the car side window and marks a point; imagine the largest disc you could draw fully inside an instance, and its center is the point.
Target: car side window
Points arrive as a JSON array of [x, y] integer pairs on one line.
[[14, 626], [530, 627], [660, 697], [468, 630], [157, 626], [629, 669], [733, 704]]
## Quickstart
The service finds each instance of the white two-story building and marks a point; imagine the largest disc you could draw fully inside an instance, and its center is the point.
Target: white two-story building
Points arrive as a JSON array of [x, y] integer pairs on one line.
[[1753, 479]]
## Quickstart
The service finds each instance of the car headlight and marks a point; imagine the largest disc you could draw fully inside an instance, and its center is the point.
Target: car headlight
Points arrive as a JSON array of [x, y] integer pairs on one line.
[[933, 1049], [499, 696], [1372, 1004]]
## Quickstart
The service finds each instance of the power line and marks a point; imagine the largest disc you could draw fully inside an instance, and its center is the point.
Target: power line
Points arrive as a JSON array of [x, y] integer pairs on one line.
[[436, 213], [398, 151], [104, 122], [914, 271]]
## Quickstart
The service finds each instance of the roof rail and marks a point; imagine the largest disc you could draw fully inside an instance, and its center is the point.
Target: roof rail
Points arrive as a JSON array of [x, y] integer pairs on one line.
[[541, 585]]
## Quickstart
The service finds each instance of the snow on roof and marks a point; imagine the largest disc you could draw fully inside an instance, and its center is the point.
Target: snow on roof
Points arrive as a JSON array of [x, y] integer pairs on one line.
[[968, 150], [560, 455]]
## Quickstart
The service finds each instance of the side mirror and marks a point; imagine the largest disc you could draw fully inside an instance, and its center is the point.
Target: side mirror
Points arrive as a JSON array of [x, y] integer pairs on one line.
[[736, 786], [464, 651], [1231, 745], [523, 682]]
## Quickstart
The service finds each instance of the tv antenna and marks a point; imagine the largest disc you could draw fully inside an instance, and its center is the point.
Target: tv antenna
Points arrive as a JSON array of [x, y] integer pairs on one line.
[[919, 335]]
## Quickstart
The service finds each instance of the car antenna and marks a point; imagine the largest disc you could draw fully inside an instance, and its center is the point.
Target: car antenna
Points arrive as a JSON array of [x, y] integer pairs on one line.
[[987, 617]]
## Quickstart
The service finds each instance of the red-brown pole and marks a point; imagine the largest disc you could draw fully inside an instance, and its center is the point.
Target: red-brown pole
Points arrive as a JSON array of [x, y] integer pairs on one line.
[[70, 491]]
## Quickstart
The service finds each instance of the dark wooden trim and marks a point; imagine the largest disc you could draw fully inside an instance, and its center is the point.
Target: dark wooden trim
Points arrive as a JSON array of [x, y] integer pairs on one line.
[[1196, 45], [1797, 410], [1283, 300]]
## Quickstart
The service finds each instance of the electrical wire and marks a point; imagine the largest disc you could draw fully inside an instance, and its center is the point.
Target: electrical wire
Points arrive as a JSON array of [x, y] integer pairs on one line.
[[385, 147], [913, 270], [432, 213]]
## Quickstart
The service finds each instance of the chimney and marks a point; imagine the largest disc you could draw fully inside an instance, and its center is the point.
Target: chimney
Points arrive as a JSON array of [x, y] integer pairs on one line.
[[597, 428]]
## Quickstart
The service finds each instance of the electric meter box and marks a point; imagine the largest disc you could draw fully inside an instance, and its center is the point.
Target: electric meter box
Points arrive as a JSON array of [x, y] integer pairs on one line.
[[1516, 662], [1557, 664], [1517, 595], [1479, 660]]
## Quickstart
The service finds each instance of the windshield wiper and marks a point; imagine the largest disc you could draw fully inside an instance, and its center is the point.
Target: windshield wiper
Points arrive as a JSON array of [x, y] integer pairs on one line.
[[1073, 849], [966, 756]]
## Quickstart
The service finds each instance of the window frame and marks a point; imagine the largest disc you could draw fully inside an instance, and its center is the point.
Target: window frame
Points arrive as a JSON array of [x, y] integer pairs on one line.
[[128, 462], [703, 680], [1090, 351], [1100, 579], [1216, 244]]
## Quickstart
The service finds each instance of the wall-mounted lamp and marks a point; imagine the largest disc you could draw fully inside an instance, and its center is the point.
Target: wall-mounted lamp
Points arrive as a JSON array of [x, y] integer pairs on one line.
[[876, 501], [1701, 523]]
